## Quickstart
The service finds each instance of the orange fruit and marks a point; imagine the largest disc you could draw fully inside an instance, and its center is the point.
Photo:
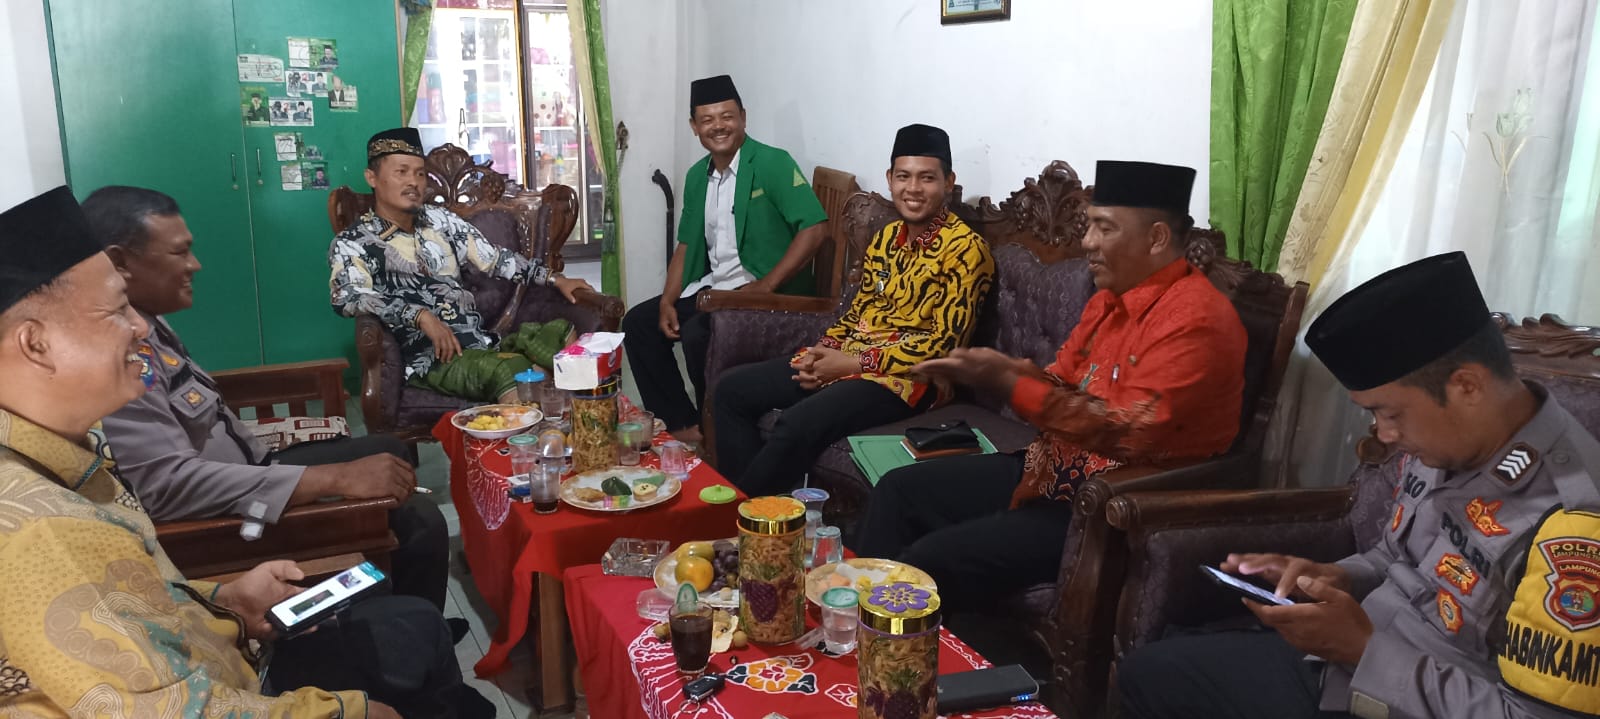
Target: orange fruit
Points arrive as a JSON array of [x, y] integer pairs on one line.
[[695, 571]]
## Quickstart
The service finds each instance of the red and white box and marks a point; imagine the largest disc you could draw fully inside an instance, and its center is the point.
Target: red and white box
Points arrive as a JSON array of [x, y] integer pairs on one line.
[[596, 358]]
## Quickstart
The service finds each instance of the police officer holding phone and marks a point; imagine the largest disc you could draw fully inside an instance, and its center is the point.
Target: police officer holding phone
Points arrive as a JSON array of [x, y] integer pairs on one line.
[[1480, 599]]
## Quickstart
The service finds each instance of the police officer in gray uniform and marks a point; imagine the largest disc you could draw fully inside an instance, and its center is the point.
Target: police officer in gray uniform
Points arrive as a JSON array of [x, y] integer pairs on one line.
[[187, 456], [1466, 606]]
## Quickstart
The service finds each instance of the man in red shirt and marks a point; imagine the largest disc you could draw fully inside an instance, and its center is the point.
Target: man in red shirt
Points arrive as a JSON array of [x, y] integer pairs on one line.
[[1153, 372]]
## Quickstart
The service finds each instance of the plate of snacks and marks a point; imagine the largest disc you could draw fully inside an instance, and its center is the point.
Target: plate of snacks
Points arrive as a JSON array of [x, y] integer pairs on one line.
[[496, 421], [711, 566], [861, 574], [619, 489]]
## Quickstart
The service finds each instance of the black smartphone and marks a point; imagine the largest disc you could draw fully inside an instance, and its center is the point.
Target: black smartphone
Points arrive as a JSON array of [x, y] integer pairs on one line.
[[1243, 587], [312, 606], [985, 688]]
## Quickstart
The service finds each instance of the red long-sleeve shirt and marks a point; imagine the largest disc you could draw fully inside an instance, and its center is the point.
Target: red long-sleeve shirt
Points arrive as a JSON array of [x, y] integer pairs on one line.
[[1156, 373]]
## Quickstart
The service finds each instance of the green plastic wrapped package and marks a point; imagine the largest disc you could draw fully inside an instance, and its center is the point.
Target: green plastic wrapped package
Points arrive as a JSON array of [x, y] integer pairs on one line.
[[478, 374], [539, 341]]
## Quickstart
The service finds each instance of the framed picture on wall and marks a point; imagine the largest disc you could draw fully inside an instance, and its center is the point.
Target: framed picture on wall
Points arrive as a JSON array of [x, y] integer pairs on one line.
[[956, 11]]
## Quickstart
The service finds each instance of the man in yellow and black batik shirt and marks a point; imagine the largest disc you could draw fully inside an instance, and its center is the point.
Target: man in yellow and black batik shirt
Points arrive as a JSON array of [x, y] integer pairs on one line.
[[923, 280]]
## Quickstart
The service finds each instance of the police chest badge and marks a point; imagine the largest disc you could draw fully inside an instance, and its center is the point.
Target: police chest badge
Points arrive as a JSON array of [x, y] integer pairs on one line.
[[1455, 569], [147, 360], [1551, 650], [1450, 612]]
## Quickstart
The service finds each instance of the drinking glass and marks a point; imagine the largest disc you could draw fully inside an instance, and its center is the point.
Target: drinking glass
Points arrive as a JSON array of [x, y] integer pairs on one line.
[[691, 638], [829, 547], [839, 619], [559, 401], [524, 458], [813, 520], [647, 421], [545, 488], [675, 460], [628, 434]]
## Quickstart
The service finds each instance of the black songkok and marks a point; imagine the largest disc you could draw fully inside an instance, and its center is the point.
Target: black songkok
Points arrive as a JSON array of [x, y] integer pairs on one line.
[[399, 141], [921, 141], [712, 90], [1399, 321], [39, 241], [1150, 185]]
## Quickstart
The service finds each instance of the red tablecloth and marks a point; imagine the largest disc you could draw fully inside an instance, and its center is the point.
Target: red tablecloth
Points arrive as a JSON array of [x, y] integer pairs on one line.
[[506, 542], [629, 674]]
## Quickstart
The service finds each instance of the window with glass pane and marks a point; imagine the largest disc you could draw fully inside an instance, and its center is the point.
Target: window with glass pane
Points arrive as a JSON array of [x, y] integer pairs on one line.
[[499, 81]]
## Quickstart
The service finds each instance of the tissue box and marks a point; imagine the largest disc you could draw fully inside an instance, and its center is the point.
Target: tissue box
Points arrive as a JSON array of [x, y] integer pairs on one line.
[[596, 358]]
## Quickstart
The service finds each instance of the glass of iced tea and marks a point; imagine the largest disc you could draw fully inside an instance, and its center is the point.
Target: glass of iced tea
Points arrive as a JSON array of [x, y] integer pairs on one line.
[[691, 638]]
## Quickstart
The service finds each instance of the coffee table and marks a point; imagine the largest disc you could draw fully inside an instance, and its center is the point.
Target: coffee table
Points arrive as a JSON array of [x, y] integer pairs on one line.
[[629, 674], [517, 556]]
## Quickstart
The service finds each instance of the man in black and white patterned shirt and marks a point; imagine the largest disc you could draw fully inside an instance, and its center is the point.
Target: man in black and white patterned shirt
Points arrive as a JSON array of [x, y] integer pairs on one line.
[[402, 262]]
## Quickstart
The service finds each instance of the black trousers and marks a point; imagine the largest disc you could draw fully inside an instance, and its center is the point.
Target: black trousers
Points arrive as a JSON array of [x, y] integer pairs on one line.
[[949, 518], [655, 368], [396, 649], [421, 563], [1228, 675], [811, 421]]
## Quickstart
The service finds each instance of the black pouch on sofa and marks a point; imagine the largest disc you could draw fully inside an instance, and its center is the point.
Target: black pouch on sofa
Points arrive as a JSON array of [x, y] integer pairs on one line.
[[956, 435]]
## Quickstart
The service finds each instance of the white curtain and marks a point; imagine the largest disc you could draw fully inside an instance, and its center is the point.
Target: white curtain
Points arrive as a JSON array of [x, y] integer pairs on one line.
[[1502, 161]]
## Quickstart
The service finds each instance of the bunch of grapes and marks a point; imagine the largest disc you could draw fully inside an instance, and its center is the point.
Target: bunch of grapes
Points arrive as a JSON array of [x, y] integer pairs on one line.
[[725, 561]]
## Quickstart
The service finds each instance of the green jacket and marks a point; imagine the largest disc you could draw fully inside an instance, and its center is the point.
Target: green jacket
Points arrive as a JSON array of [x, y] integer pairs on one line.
[[772, 202]]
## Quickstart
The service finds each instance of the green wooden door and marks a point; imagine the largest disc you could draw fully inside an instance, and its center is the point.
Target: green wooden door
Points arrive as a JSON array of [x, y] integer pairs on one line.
[[291, 227], [149, 97]]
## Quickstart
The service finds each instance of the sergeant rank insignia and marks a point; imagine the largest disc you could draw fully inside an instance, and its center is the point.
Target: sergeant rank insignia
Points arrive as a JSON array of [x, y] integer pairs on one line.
[[1455, 569], [1574, 581], [1511, 468]]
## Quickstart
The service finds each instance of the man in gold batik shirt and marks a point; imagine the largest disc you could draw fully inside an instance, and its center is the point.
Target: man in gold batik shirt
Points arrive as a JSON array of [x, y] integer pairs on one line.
[[94, 618]]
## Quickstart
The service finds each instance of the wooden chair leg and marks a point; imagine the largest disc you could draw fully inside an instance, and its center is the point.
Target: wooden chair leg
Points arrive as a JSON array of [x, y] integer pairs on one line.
[[550, 645]]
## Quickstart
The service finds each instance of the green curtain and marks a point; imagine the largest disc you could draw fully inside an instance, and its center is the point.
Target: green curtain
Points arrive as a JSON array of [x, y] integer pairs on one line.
[[1273, 65], [419, 21], [597, 92]]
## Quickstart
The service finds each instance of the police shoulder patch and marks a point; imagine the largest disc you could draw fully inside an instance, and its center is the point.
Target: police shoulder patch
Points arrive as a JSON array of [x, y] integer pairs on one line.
[[1552, 646]]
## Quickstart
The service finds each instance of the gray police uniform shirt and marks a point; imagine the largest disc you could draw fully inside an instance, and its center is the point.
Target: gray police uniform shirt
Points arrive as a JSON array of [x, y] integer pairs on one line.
[[182, 451], [1438, 585]]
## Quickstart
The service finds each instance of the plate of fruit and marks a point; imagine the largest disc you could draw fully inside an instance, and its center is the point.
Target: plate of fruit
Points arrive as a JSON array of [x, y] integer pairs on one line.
[[496, 421], [619, 489], [861, 574], [712, 567]]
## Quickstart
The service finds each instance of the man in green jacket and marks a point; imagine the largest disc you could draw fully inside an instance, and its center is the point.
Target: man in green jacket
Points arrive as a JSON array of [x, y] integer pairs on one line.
[[750, 222]]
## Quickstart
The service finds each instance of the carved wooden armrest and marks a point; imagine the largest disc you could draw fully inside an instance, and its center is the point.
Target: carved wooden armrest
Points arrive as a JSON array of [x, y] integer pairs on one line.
[[713, 300], [610, 307], [209, 547], [369, 348], [1147, 511], [294, 384]]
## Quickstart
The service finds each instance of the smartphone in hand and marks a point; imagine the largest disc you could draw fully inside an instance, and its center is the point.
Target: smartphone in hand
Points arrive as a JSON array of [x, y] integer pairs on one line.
[[1243, 587], [315, 605]]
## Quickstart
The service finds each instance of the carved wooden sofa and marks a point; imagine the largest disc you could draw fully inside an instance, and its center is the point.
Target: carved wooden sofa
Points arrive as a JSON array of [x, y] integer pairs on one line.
[[536, 224], [1041, 286], [1169, 533]]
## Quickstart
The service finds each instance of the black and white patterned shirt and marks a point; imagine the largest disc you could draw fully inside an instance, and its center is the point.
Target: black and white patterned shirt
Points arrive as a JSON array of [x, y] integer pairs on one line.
[[381, 270]]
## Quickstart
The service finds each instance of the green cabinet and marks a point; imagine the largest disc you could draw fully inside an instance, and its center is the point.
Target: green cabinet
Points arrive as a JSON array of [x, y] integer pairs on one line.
[[149, 96]]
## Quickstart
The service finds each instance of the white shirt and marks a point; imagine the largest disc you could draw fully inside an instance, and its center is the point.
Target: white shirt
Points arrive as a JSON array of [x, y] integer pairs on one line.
[[722, 236]]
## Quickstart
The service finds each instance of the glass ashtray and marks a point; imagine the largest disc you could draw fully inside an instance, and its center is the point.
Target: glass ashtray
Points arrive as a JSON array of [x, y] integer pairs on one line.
[[653, 605], [630, 557]]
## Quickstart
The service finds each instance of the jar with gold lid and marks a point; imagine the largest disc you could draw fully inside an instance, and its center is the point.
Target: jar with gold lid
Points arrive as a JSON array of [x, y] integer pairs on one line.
[[772, 569], [897, 645]]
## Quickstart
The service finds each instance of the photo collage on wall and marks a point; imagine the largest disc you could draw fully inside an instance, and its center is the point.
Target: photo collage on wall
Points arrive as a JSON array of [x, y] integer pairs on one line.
[[281, 92]]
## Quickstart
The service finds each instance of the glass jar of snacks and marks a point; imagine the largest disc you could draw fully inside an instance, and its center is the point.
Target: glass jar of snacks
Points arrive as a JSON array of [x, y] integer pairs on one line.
[[594, 428], [897, 649], [772, 569]]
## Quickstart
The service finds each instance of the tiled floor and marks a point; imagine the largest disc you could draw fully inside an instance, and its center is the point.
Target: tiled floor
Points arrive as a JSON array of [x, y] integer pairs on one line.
[[510, 689]]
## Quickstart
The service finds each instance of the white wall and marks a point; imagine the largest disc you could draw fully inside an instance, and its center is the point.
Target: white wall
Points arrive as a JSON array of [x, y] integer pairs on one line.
[[649, 94], [30, 138], [831, 81]]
